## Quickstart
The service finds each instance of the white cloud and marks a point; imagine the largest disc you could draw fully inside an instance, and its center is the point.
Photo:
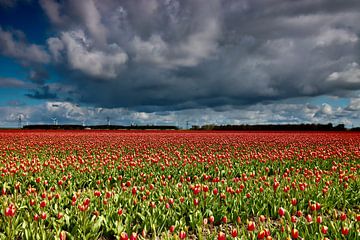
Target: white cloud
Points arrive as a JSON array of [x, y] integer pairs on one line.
[[354, 104], [275, 113], [335, 36], [351, 74], [81, 55], [326, 109]]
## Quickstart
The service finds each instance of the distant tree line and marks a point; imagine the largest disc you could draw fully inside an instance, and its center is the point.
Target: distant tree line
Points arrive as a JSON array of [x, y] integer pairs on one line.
[[208, 127], [99, 127], [273, 127]]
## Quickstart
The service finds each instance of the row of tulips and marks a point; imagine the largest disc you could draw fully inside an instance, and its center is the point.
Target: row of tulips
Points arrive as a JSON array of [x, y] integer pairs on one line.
[[179, 185]]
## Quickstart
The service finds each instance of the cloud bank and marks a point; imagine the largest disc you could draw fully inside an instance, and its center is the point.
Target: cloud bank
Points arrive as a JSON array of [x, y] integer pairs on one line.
[[157, 56]]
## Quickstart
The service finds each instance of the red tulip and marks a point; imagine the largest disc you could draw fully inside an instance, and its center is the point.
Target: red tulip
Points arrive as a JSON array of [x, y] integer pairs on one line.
[[251, 226], [182, 235], [32, 202], [196, 190], [312, 207], [343, 216], [234, 232], [293, 201], [299, 213], [172, 228], [43, 204], [60, 215], [133, 236], [10, 210], [124, 236], [108, 194], [281, 212], [267, 233], [294, 233], [261, 234], [86, 201], [324, 229], [43, 215], [276, 185], [134, 191], [62, 235], [221, 236], [344, 231]]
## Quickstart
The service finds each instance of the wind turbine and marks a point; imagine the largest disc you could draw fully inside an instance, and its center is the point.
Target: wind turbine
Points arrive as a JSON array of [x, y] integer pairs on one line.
[[20, 121], [108, 120], [55, 122]]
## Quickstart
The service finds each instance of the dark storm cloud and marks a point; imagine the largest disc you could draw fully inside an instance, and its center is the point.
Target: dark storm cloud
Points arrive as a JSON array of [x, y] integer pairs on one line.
[[38, 75], [42, 92], [12, 3], [154, 55]]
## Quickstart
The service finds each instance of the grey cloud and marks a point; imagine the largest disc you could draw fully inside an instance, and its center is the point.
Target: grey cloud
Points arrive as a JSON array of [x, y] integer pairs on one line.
[[155, 56], [74, 14], [13, 44], [38, 75], [42, 92], [53, 9], [13, 83]]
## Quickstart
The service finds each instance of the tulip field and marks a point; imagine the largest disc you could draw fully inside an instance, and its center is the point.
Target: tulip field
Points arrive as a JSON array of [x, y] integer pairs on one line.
[[179, 185]]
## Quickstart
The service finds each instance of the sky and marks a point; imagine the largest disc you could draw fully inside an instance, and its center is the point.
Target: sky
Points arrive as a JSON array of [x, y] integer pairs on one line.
[[170, 62]]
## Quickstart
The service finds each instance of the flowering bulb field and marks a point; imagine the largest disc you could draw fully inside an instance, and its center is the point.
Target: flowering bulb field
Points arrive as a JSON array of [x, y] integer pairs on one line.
[[178, 184]]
